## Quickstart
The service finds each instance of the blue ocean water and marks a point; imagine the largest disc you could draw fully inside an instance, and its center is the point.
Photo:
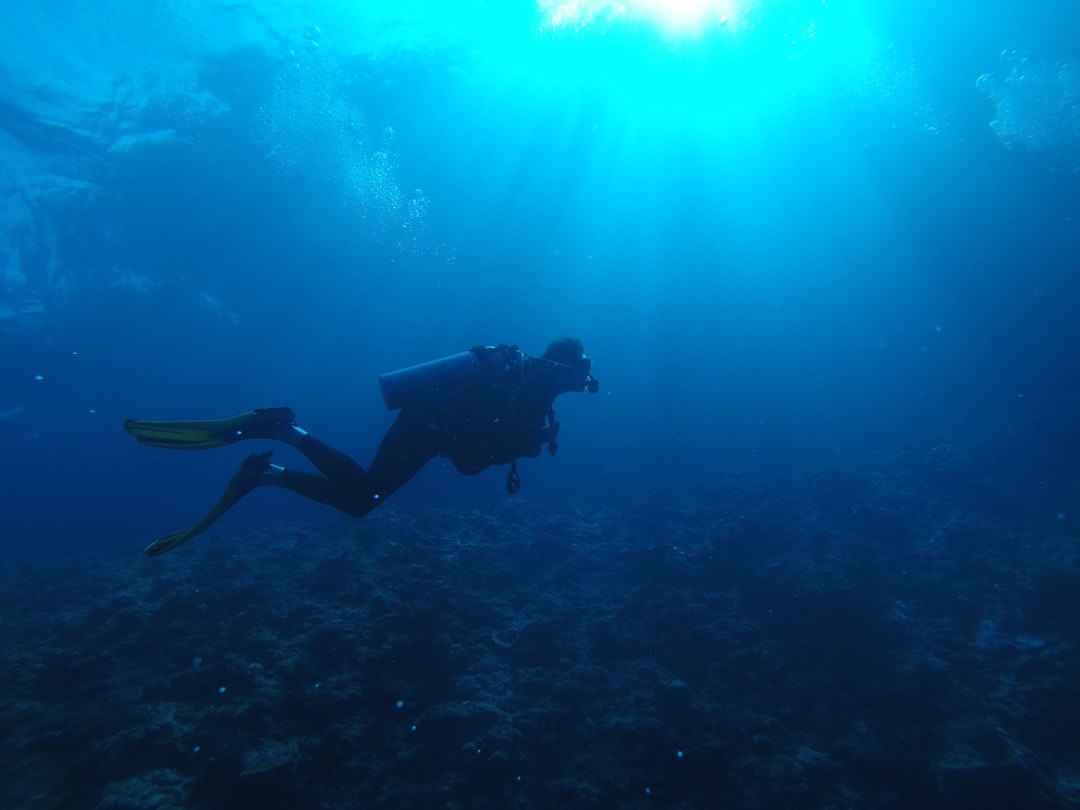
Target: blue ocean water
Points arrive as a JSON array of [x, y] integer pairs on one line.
[[802, 233], [795, 237]]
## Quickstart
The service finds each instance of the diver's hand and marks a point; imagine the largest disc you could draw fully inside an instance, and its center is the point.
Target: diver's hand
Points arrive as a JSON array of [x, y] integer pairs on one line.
[[548, 436]]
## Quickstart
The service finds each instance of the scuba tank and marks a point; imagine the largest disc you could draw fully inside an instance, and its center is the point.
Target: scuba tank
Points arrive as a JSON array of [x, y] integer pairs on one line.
[[481, 363]]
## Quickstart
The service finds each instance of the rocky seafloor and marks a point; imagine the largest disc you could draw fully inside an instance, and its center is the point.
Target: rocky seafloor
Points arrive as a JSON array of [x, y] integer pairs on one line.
[[901, 633]]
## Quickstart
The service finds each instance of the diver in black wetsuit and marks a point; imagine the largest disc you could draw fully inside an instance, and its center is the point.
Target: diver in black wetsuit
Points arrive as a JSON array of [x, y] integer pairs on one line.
[[487, 406]]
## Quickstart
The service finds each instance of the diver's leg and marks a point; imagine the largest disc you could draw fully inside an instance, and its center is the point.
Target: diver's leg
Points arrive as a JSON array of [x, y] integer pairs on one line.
[[349, 490], [312, 486], [255, 471], [344, 484], [408, 445]]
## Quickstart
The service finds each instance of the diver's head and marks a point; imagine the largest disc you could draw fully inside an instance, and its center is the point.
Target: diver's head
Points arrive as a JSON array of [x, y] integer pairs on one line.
[[567, 356]]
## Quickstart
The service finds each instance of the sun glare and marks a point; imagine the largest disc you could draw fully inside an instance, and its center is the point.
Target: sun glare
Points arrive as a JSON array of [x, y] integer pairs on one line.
[[675, 17], [685, 16]]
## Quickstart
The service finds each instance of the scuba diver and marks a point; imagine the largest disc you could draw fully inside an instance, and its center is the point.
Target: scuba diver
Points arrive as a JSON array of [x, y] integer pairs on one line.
[[486, 406]]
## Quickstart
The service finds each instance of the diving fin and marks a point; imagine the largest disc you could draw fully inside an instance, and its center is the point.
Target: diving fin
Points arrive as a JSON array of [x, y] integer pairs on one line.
[[168, 543], [245, 480], [261, 423]]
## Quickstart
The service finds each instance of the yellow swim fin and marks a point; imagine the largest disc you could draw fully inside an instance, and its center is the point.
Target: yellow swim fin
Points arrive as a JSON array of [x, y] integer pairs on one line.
[[245, 480], [261, 423], [168, 543]]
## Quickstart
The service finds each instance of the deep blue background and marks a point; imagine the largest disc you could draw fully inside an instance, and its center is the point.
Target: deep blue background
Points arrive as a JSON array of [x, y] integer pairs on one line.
[[789, 248]]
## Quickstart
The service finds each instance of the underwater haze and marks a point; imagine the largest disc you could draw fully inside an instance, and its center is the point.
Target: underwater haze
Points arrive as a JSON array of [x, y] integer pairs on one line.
[[814, 542]]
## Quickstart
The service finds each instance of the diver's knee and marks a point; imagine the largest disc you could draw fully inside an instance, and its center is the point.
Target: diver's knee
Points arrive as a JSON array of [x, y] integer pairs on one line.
[[361, 505]]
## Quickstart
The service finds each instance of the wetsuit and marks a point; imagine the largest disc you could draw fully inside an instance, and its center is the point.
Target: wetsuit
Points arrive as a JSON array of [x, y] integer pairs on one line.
[[494, 421]]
